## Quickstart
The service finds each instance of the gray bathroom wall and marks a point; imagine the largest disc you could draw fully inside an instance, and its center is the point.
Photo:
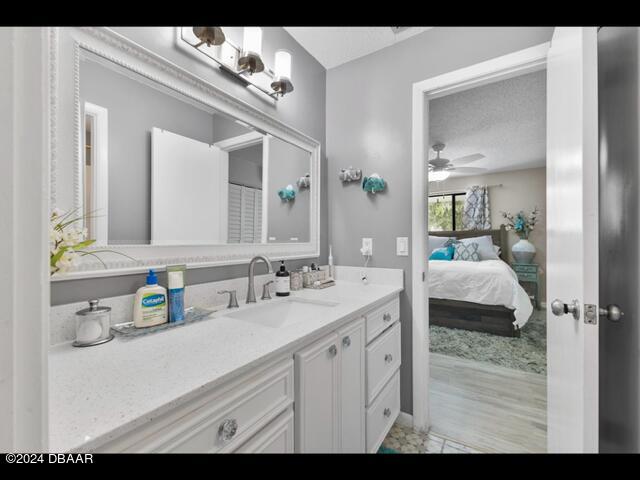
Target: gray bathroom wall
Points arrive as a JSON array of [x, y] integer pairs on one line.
[[288, 219], [245, 166], [369, 127], [134, 109], [303, 109]]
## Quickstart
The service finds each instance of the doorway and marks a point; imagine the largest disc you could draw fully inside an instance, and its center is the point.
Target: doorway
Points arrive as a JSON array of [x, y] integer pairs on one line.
[[499, 69]]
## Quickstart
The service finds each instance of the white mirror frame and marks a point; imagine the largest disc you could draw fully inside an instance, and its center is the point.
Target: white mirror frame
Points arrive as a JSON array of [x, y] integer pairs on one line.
[[66, 151]]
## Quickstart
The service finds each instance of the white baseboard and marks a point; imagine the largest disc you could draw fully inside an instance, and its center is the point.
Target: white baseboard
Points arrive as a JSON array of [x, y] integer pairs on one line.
[[405, 419]]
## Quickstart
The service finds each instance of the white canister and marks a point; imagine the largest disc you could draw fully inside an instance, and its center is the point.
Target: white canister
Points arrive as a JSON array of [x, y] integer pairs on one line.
[[93, 325]]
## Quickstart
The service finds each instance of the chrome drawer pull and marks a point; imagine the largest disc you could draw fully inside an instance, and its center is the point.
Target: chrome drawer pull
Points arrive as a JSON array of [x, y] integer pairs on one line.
[[333, 350], [346, 341], [386, 317], [227, 430], [387, 412], [388, 358]]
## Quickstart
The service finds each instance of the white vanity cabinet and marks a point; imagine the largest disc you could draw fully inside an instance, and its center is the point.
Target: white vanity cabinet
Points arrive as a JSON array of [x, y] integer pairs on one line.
[[383, 371], [250, 413], [330, 392]]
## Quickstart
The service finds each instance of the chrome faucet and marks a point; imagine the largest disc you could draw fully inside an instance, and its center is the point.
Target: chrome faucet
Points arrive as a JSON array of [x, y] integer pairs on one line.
[[251, 291]]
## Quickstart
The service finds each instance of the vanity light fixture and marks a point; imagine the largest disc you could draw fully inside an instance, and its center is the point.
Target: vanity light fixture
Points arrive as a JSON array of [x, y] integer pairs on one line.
[[282, 74], [209, 35], [243, 63], [251, 60]]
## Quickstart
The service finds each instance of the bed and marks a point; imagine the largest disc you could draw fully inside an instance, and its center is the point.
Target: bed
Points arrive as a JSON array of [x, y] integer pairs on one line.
[[481, 296]]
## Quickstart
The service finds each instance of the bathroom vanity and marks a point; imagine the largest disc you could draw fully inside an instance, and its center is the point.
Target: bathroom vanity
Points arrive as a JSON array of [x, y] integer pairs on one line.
[[315, 372], [198, 175]]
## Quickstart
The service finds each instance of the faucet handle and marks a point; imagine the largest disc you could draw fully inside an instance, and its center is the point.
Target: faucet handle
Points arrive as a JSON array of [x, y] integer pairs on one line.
[[266, 295], [233, 300]]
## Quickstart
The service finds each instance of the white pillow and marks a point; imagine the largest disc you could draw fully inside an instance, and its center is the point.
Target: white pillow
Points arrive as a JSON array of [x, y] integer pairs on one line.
[[486, 248], [497, 249], [437, 242]]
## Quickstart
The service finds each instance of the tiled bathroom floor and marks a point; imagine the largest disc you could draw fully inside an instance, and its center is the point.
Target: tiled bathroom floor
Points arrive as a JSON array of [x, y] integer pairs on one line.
[[405, 440]]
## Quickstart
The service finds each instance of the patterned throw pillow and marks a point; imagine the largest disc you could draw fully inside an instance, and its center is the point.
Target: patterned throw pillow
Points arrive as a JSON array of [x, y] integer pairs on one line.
[[466, 252]]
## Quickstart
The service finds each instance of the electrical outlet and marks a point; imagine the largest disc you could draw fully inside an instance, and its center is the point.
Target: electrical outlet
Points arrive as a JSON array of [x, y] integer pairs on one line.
[[367, 246]]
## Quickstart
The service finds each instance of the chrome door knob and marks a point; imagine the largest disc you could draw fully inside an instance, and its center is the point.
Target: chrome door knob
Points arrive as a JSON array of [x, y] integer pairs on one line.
[[559, 308], [346, 341], [333, 350], [387, 412], [386, 317], [612, 312]]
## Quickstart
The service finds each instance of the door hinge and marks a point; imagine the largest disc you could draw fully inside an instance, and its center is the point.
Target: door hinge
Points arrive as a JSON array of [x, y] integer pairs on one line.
[[590, 314], [424, 276]]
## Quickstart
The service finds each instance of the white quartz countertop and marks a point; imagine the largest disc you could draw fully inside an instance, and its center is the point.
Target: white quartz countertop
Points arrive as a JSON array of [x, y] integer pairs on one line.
[[99, 393]]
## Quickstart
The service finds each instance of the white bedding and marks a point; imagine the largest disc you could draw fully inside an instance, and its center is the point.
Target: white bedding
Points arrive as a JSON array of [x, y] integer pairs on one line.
[[490, 282]]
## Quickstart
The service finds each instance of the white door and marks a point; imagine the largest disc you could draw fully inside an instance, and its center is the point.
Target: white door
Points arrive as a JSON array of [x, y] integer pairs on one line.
[[189, 191], [317, 403], [572, 240], [352, 373]]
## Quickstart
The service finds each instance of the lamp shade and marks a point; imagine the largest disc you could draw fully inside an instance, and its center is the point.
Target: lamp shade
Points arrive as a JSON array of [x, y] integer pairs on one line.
[[438, 175], [282, 67], [252, 40]]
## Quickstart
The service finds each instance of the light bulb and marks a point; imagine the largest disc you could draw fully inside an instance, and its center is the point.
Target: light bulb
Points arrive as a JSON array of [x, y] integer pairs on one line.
[[252, 40], [282, 69], [438, 175]]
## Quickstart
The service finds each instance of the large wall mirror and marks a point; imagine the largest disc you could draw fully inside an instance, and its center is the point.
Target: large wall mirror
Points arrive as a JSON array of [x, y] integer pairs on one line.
[[169, 169]]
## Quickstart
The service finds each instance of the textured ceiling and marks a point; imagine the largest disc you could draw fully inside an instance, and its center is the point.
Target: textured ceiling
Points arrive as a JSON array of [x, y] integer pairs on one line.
[[505, 121], [333, 46]]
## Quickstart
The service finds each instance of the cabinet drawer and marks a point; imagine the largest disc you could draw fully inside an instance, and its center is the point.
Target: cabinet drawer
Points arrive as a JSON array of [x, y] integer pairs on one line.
[[526, 268], [382, 317], [276, 437], [382, 413], [527, 277], [383, 359], [246, 405]]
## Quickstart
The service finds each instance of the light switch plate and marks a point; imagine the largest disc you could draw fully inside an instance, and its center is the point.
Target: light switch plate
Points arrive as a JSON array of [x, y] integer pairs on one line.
[[367, 246], [402, 246]]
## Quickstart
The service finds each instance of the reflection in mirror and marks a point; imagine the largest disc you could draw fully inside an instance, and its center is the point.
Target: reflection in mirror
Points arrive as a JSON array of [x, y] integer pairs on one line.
[[163, 169]]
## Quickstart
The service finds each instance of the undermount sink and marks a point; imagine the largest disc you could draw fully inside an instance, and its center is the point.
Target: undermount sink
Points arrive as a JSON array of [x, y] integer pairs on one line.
[[283, 313]]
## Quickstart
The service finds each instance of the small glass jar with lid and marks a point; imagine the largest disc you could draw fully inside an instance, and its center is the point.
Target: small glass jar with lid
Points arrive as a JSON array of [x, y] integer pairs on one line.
[[93, 325]]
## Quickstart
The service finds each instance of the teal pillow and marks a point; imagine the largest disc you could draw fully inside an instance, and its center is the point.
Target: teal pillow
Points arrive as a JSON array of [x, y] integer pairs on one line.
[[444, 253], [466, 252]]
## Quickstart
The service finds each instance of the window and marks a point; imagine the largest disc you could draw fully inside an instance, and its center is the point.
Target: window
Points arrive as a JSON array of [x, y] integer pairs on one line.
[[445, 212]]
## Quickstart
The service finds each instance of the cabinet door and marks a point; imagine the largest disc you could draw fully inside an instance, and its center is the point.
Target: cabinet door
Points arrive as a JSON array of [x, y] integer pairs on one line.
[[316, 404], [352, 389]]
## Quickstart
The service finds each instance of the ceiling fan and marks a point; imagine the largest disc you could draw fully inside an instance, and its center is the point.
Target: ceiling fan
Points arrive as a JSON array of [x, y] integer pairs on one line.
[[441, 168]]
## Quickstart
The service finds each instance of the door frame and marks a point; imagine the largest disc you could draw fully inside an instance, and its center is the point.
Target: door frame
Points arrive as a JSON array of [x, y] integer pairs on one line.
[[247, 140], [499, 68]]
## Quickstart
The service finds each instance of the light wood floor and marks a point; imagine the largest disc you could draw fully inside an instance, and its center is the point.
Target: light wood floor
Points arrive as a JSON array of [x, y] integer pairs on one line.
[[491, 408]]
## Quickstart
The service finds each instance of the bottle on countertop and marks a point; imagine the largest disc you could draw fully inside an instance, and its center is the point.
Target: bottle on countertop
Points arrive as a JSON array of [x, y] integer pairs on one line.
[[283, 281], [150, 307], [175, 282]]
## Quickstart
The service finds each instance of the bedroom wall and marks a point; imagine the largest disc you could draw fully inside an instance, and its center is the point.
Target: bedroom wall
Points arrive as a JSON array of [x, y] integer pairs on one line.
[[369, 126], [520, 190]]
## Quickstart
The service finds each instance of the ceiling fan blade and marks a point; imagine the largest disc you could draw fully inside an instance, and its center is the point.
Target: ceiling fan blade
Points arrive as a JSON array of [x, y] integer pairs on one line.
[[467, 159], [467, 169]]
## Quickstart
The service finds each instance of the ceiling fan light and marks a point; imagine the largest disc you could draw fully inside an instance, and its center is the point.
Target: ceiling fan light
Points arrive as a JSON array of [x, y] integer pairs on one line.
[[438, 175]]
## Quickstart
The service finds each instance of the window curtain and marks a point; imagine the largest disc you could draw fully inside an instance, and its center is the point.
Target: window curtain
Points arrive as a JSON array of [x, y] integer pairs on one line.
[[477, 213]]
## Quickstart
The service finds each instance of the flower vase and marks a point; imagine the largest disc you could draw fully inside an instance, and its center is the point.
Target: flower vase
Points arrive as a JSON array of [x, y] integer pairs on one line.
[[523, 251]]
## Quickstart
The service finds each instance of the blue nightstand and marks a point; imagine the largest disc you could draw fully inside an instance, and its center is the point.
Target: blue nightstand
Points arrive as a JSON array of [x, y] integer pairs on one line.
[[528, 273]]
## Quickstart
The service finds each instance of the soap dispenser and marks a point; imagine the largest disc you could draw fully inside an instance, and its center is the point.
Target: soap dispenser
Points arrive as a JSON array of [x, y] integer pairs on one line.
[[150, 307], [283, 281]]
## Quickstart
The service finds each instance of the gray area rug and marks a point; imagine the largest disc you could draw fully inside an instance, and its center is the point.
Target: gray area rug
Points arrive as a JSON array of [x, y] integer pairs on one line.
[[527, 353]]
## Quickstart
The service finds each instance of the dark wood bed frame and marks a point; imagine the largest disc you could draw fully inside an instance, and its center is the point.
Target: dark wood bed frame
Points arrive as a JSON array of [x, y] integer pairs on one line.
[[495, 319]]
